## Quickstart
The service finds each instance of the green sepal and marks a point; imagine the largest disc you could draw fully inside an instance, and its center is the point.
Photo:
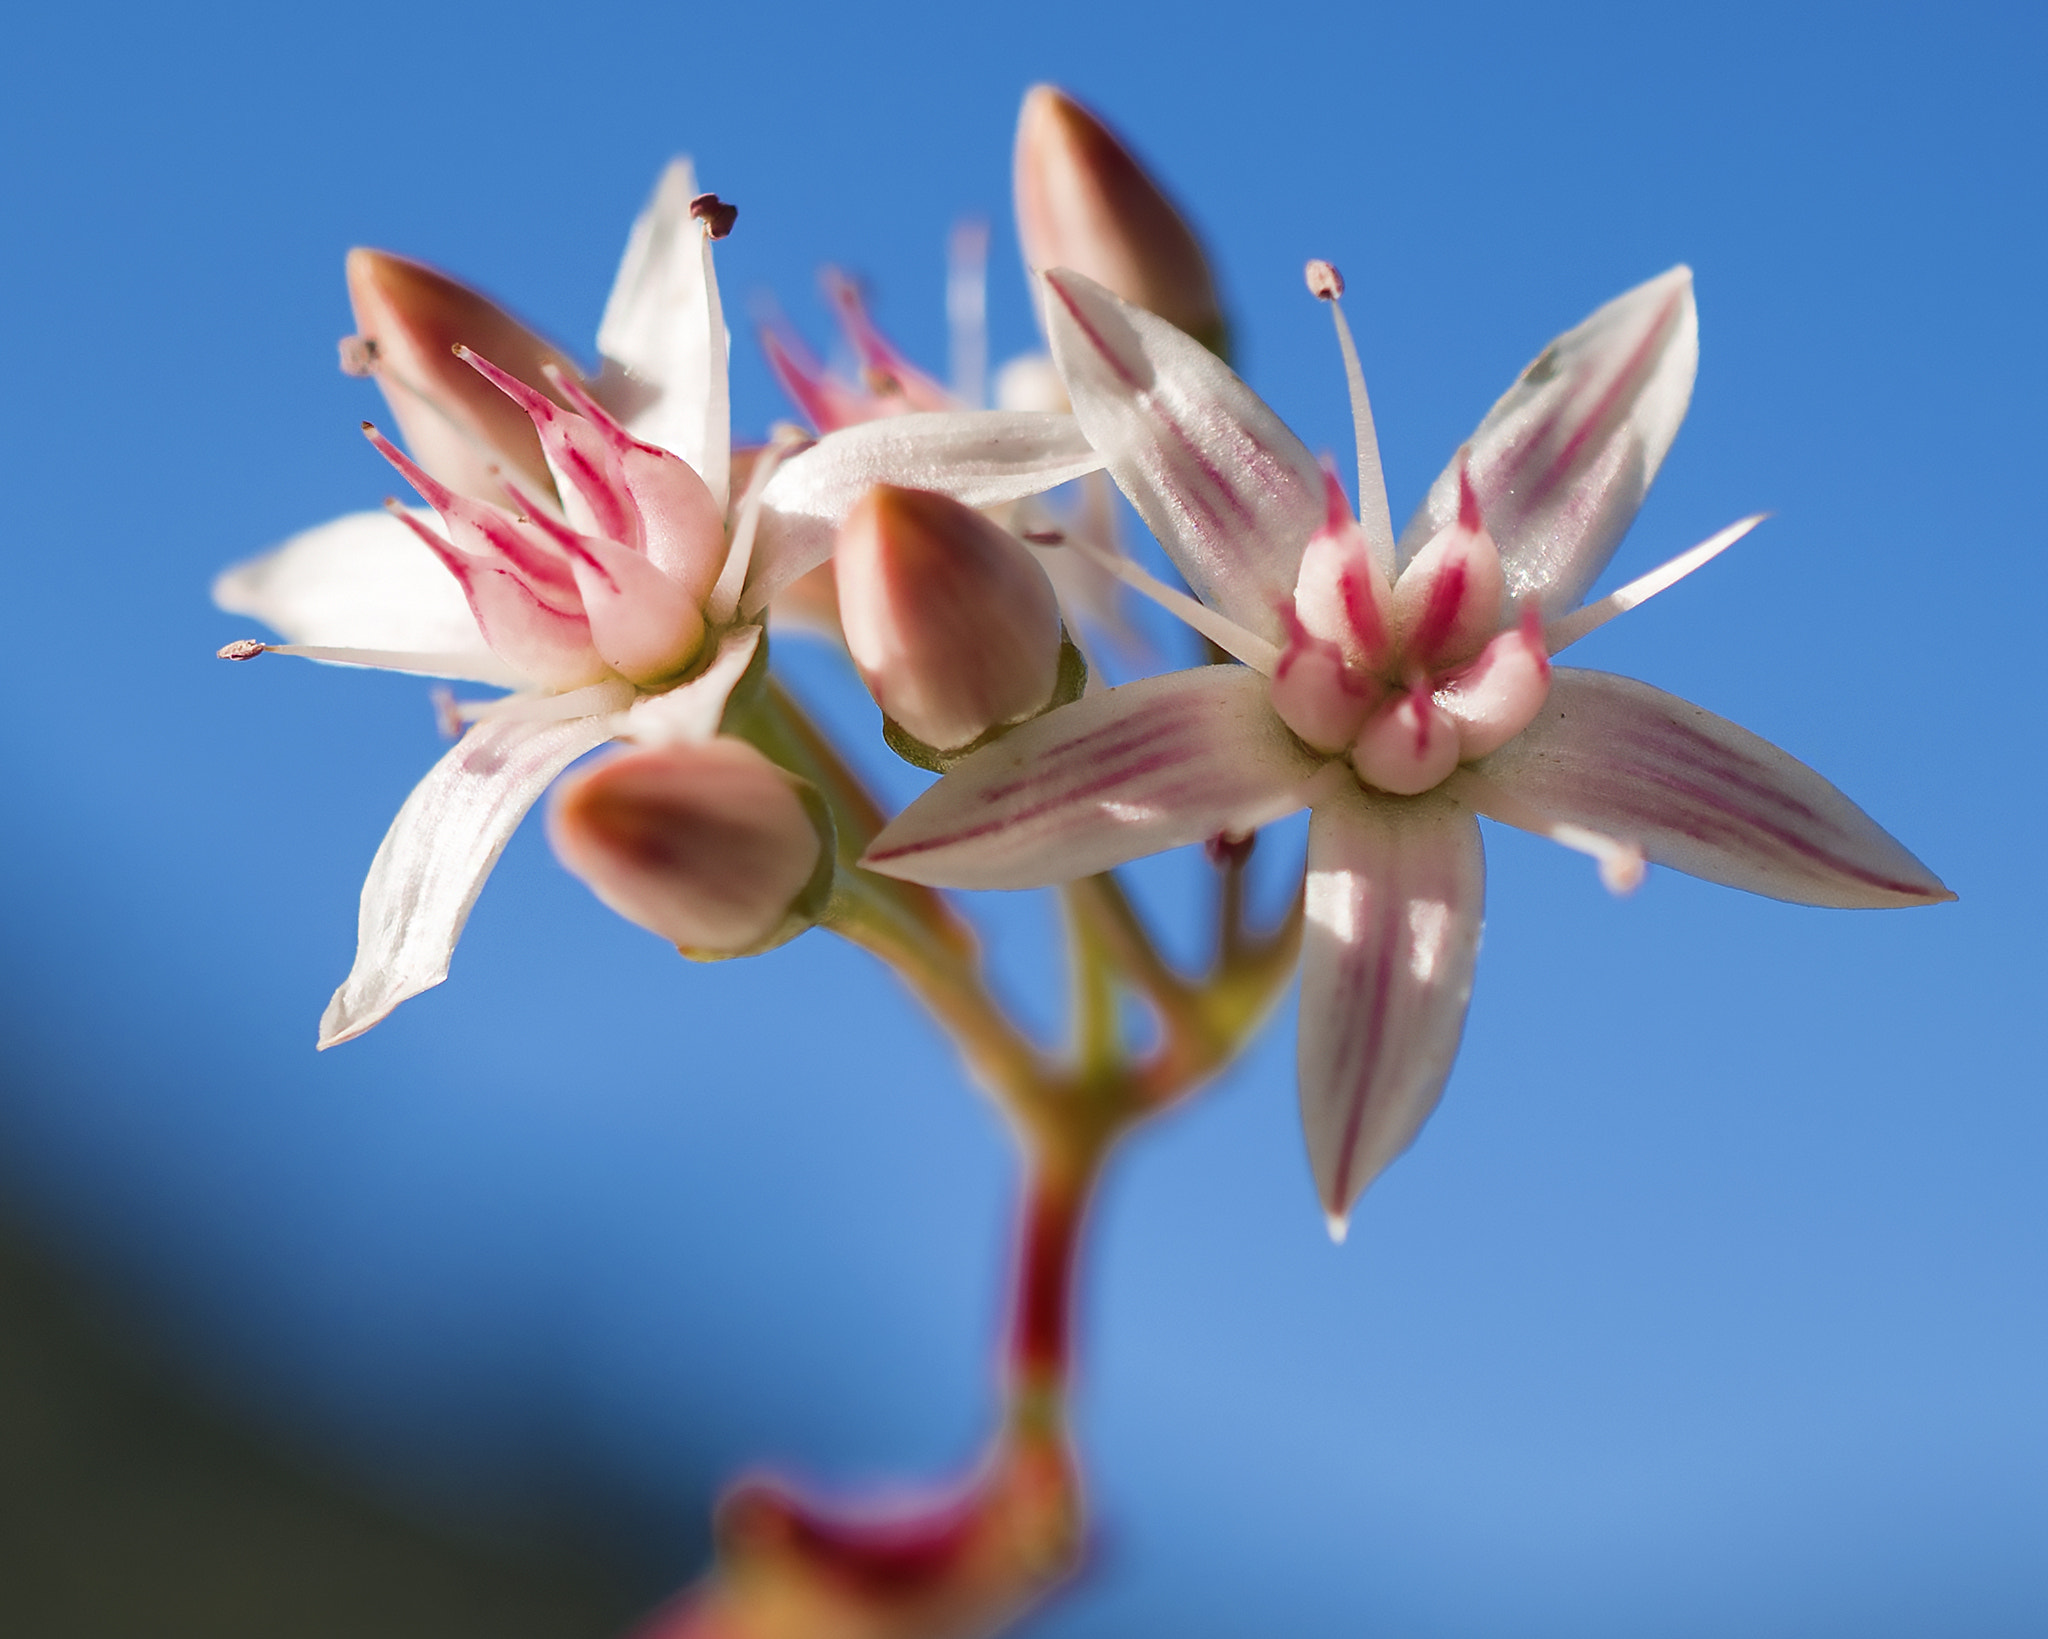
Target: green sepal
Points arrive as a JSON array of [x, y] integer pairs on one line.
[[1068, 682]]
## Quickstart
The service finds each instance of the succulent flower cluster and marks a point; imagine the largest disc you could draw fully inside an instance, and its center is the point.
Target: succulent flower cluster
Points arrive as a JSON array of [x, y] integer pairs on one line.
[[594, 542]]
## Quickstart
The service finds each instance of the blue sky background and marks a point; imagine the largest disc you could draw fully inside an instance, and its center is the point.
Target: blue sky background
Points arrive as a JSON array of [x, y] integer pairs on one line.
[[1711, 1301]]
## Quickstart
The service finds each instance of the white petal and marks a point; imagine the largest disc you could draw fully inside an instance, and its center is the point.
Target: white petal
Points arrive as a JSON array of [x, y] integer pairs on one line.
[[1563, 461], [1395, 894], [985, 458], [693, 711], [1130, 771], [363, 581], [1699, 794], [1232, 495], [663, 336], [433, 861]]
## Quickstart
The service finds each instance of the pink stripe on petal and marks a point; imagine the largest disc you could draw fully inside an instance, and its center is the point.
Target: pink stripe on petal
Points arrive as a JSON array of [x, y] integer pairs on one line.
[[1703, 796], [1131, 771], [1395, 895], [1232, 495], [1562, 462]]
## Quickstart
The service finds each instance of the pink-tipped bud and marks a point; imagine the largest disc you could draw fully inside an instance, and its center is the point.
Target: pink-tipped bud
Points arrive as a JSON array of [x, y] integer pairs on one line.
[[1083, 202], [709, 844], [950, 620], [409, 321]]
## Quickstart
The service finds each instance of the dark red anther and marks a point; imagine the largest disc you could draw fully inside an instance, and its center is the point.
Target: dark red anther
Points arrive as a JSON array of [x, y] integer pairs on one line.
[[716, 215], [1325, 283]]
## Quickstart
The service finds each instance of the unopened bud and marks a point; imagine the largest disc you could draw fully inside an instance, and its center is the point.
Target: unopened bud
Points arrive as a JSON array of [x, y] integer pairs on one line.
[[950, 620], [708, 844], [409, 321], [1083, 202]]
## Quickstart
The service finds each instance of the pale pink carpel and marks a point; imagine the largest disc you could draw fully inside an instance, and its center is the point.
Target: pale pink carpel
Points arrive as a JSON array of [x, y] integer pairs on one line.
[[1399, 687]]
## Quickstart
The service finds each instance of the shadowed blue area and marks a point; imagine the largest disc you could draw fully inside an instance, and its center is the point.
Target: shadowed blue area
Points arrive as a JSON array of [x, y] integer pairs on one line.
[[1710, 1301]]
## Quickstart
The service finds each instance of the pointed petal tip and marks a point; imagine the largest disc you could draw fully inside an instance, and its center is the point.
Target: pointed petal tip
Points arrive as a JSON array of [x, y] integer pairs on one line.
[[1339, 1226]]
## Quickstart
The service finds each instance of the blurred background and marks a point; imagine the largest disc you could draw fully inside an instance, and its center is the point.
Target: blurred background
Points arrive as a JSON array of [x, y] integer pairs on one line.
[[1712, 1299]]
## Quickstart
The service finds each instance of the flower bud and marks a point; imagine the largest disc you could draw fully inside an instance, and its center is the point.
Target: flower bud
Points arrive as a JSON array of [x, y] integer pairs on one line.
[[708, 844], [409, 321], [949, 619], [1084, 203]]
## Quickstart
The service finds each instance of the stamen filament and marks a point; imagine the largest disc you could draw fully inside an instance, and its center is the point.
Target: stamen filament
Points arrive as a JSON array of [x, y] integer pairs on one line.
[[967, 311], [1225, 633], [471, 668], [1374, 518], [1568, 629], [732, 579], [612, 694], [1621, 863]]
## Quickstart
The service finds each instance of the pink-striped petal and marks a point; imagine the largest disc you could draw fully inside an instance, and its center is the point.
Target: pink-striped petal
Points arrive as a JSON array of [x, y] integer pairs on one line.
[[537, 641], [1699, 794], [434, 859], [1232, 495], [1395, 895], [1130, 771], [1563, 461], [985, 458]]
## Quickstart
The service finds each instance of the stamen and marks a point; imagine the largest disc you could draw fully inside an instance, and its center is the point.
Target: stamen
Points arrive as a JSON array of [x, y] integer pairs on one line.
[[1568, 629], [1225, 633], [593, 700], [967, 311], [716, 215], [421, 662], [1621, 863], [1373, 517], [732, 579]]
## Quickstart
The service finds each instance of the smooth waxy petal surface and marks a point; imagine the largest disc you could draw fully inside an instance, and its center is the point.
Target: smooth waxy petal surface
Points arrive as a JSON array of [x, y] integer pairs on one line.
[[1232, 495], [409, 319], [663, 336], [1697, 793], [1133, 770], [1561, 464], [984, 458], [364, 581], [1395, 896], [434, 859], [706, 844]]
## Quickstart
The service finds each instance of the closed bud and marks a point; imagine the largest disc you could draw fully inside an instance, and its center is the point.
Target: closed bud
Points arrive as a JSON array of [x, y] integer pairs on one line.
[[707, 843], [949, 618], [409, 321], [1083, 202]]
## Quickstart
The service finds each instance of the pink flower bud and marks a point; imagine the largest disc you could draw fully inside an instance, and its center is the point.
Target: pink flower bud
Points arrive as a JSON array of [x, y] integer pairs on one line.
[[1083, 202], [950, 620], [708, 844], [409, 320]]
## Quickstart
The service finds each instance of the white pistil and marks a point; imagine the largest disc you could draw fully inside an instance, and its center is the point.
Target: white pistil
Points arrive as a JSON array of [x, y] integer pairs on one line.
[[1621, 864], [1568, 629], [732, 579], [1224, 632], [1373, 517]]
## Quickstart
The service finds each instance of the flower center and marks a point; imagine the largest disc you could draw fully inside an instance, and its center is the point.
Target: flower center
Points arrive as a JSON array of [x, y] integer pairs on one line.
[[1412, 678]]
